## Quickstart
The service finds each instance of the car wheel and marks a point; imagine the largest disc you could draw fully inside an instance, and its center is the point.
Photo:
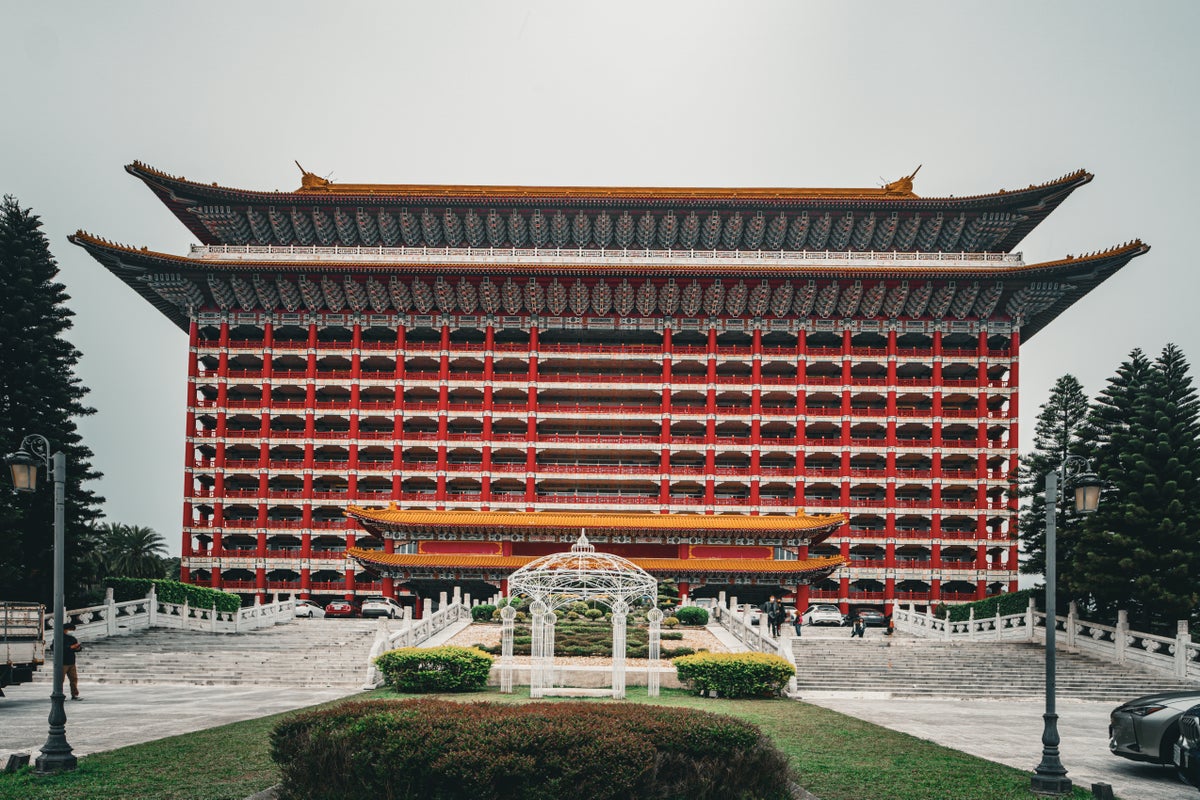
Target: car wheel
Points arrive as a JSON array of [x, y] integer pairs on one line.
[[1166, 748]]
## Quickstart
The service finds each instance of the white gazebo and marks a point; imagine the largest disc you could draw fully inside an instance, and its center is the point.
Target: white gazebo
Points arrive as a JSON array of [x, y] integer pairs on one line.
[[556, 581]]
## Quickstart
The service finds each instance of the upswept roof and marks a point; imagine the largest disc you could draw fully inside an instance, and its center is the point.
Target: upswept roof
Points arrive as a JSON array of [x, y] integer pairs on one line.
[[809, 569], [871, 219], [1034, 294], [500, 525]]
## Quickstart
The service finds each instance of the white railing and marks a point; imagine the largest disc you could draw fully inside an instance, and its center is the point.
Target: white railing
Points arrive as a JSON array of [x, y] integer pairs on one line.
[[115, 619], [413, 633], [1177, 656], [572, 255]]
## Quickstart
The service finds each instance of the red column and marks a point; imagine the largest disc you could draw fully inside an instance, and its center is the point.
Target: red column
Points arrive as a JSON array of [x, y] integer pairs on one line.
[[443, 412], [398, 414], [531, 426], [801, 414], [485, 445], [756, 421], [710, 426], [664, 459]]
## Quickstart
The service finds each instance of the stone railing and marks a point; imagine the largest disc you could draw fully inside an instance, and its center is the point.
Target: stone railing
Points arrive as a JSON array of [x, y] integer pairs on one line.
[[115, 619], [1176, 656], [414, 632]]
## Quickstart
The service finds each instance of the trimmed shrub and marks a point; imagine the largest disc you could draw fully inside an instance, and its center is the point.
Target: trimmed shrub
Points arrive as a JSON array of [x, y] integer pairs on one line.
[[593, 613], [579, 607], [435, 669], [173, 592], [691, 615], [671, 635], [670, 622], [539, 751], [1011, 603], [483, 612], [734, 674]]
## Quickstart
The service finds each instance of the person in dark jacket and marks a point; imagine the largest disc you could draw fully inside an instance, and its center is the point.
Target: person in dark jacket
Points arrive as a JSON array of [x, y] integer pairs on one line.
[[71, 646], [773, 611]]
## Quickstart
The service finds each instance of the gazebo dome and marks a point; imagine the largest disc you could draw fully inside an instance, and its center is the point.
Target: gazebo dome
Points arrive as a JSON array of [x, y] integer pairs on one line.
[[583, 574]]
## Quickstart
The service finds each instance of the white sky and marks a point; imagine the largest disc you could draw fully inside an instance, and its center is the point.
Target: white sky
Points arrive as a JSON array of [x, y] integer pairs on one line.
[[986, 96]]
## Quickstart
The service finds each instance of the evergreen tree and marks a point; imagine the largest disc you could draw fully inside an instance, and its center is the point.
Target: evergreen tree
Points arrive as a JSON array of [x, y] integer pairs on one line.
[[1141, 550], [1055, 438], [39, 394]]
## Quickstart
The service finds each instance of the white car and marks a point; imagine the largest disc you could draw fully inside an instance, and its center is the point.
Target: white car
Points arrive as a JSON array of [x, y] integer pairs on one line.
[[307, 608], [380, 606], [824, 614], [755, 612]]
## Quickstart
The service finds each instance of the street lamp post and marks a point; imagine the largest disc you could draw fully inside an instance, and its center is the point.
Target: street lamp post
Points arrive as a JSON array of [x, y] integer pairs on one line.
[[1050, 776], [35, 452]]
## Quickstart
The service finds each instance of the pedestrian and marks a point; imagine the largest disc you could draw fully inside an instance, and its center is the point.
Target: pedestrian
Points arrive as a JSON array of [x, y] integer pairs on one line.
[[71, 646], [797, 621], [891, 627], [858, 628], [773, 611]]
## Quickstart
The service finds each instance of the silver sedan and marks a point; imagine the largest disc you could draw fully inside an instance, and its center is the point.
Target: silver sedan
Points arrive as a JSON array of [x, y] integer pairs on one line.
[[1147, 728]]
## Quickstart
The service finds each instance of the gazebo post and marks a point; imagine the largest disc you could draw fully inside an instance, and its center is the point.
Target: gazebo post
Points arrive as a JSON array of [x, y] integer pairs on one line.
[[655, 617], [507, 614], [619, 609], [536, 650]]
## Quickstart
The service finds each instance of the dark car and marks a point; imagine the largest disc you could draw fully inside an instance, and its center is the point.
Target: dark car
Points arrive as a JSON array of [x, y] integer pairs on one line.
[[1186, 752], [1147, 728], [871, 618], [342, 608]]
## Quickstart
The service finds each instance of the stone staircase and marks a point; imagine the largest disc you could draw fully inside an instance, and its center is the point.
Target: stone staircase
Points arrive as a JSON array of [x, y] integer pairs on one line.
[[316, 653], [905, 666]]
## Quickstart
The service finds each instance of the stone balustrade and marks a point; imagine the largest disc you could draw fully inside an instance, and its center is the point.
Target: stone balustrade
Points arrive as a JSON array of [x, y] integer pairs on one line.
[[115, 619], [1178, 656]]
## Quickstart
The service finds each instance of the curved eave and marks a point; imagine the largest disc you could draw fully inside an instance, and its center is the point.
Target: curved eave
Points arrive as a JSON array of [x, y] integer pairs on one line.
[[504, 524], [132, 271], [809, 569], [1034, 202], [1082, 274]]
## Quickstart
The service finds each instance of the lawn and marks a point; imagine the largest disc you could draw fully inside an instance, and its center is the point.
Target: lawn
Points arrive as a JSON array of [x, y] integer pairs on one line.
[[836, 758]]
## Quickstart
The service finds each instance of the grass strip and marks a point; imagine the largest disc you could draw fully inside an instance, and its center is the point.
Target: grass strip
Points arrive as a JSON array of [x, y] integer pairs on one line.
[[835, 757]]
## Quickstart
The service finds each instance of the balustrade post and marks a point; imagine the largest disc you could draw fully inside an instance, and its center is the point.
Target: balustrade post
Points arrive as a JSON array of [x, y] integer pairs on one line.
[[999, 624], [467, 601], [946, 625], [970, 623], [1121, 636], [441, 600], [457, 597], [1031, 618], [427, 606], [1182, 640], [187, 613], [721, 598], [151, 607], [110, 612], [213, 614], [1072, 624]]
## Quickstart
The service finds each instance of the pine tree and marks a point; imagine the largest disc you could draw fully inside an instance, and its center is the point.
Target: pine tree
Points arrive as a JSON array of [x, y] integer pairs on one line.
[[1055, 437], [39, 394], [1141, 550]]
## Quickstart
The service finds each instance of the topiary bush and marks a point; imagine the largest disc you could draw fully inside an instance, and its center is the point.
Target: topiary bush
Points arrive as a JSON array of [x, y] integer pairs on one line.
[[482, 612], [1010, 603], [670, 622], [734, 674], [691, 615], [539, 751], [435, 669]]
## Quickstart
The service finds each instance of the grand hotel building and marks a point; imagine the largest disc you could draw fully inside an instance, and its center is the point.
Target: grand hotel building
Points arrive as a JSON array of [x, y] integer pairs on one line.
[[395, 388]]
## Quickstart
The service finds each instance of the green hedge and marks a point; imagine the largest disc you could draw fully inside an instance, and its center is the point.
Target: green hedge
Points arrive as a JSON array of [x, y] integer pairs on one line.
[[734, 674], [482, 612], [691, 615], [435, 669], [442, 750], [173, 592], [1013, 603]]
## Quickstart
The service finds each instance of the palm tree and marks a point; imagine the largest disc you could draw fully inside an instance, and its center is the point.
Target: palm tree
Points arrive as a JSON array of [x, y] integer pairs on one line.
[[133, 551]]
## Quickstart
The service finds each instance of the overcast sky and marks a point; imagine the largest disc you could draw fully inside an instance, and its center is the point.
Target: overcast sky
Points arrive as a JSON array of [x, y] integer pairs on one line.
[[985, 96]]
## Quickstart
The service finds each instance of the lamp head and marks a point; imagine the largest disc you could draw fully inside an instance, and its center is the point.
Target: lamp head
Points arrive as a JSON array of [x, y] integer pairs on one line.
[[1087, 492], [24, 467]]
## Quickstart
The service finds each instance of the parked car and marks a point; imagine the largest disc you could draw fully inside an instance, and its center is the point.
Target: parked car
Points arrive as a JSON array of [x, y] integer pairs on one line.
[[379, 606], [307, 608], [1186, 752], [871, 617], [755, 612], [341, 608], [823, 614], [1147, 728]]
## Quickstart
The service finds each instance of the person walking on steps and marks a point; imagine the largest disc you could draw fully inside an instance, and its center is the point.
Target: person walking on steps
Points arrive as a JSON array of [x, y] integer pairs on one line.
[[71, 646], [797, 621]]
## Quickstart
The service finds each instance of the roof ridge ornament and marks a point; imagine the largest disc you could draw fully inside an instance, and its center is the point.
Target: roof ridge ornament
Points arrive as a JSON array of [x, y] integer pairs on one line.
[[904, 186]]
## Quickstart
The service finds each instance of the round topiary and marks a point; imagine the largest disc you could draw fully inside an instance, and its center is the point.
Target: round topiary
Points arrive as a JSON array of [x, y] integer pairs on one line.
[[483, 612], [435, 669], [593, 613], [691, 615], [670, 622]]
